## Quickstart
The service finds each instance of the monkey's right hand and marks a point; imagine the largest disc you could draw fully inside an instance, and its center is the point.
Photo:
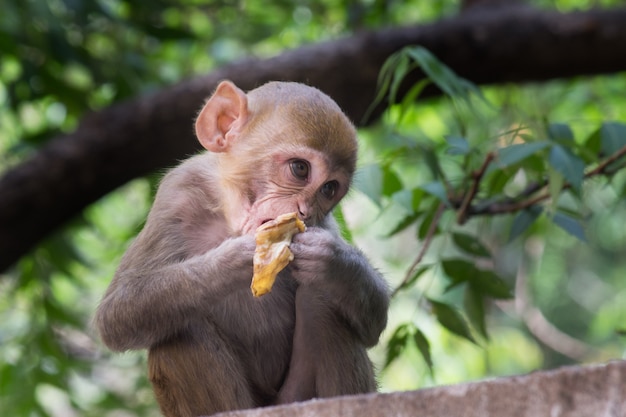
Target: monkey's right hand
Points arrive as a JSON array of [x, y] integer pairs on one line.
[[235, 254]]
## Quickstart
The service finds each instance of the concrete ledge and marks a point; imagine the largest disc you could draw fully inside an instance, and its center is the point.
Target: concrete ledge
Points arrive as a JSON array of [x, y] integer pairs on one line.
[[587, 391]]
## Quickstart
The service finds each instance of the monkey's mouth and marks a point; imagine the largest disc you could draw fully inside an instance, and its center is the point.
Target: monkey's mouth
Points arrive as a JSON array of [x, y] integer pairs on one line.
[[265, 221]]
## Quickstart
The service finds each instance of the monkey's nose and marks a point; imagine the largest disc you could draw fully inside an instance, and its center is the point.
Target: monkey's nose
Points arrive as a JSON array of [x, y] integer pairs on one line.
[[303, 212]]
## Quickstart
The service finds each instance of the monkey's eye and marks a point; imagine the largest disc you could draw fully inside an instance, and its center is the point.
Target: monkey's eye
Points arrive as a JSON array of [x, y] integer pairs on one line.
[[329, 189], [300, 169]]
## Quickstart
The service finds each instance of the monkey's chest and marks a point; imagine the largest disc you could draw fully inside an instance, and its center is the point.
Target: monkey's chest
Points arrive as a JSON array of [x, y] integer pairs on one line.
[[262, 329]]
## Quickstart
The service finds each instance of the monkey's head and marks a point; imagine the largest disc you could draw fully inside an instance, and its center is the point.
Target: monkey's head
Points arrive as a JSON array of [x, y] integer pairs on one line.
[[286, 147]]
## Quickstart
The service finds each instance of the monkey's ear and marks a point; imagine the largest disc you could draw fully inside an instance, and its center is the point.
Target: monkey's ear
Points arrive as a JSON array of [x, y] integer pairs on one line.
[[222, 117]]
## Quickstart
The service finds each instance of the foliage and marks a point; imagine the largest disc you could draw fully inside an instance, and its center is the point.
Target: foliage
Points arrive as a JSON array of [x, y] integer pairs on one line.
[[50, 362], [62, 59], [435, 183], [534, 173]]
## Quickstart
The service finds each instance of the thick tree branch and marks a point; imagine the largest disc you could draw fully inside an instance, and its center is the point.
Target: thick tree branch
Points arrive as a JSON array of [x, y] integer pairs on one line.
[[137, 137]]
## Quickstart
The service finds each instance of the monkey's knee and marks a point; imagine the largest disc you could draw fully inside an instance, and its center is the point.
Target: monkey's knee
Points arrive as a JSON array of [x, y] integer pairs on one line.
[[197, 377], [327, 359]]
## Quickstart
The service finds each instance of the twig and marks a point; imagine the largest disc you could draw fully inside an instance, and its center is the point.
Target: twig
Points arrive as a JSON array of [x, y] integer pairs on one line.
[[511, 207], [600, 169], [514, 204], [427, 241], [469, 196]]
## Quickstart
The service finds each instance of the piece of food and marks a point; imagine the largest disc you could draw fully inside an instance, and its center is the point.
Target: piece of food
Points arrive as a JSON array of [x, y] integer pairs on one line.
[[272, 252]]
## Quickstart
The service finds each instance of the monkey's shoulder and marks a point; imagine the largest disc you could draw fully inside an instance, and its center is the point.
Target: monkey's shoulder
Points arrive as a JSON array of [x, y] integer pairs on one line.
[[194, 182], [199, 171]]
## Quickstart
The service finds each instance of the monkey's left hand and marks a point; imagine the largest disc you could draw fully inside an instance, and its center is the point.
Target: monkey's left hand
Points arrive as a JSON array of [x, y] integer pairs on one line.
[[317, 254], [324, 262]]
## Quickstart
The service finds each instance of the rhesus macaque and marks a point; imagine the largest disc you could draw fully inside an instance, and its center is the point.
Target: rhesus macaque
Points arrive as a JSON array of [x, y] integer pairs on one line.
[[182, 289]]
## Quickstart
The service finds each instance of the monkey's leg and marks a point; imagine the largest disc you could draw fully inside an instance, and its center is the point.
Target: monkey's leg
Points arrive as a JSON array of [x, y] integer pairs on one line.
[[299, 383], [198, 374], [327, 360]]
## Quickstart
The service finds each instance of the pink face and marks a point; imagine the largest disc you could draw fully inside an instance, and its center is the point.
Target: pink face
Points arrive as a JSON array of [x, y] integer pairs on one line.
[[300, 181]]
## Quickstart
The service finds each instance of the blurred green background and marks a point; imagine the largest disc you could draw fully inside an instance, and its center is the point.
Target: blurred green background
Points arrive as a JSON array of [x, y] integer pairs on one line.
[[61, 59]]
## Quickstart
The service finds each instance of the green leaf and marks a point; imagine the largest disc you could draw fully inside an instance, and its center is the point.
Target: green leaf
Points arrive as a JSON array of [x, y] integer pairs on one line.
[[375, 182], [457, 145], [514, 154], [422, 231], [570, 225], [391, 74], [384, 80], [555, 185], [560, 132], [416, 275], [437, 189], [432, 161], [440, 74], [390, 182], [457, 270], [490, 284], [484, 281], [424, 348], [474, 305], [613, 137], [397, 343], [403, 67], [411, 97], [404, 198], [589, 151], [369, 181], [451, 319], [523, 220], [470, 244], [416, 201], [343, 226], [445, 78], [404, 223], [497, 182], [410, 200], [569, 165], [470, 87], [593, 144]]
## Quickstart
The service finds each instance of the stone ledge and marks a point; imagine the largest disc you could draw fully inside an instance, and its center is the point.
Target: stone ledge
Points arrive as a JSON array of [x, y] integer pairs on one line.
[[577, 391]]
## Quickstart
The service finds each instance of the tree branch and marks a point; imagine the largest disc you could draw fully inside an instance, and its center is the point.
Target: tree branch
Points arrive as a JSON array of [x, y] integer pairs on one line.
[[430, 234], [137, 137], [469, 196], [526, 199]]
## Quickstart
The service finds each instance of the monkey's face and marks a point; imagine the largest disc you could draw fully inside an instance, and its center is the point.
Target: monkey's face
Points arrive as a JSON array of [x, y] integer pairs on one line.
[[284, 148], [296, 179]]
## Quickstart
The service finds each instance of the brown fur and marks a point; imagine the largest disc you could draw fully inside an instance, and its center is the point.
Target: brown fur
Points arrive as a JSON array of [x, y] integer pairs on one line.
[[182, 288]]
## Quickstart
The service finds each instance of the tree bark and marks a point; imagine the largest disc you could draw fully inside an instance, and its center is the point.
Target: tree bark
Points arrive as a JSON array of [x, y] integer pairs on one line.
[[134, 138]]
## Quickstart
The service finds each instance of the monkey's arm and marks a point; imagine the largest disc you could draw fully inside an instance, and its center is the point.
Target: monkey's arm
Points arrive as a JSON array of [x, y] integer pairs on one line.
[[180, 266], [351, 286], [360, 294], [145, 306]]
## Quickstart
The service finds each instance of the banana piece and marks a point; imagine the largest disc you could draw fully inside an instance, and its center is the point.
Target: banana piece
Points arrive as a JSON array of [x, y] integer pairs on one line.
[[272, 252]]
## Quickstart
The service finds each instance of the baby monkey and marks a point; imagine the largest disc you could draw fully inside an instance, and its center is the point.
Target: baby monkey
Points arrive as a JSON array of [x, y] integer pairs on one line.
[[182, 289]]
